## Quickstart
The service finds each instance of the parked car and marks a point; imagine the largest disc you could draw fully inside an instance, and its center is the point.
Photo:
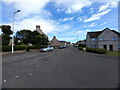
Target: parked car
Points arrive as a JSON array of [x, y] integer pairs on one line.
[[47, 49], [61, 47], [50, 48]]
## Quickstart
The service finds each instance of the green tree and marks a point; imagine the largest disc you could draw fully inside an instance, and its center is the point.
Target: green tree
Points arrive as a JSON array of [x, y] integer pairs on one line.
[[5, 39], [25, 36], [6, 32], [6, 29]]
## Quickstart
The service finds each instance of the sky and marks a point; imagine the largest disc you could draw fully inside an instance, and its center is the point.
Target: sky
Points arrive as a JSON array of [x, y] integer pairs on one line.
[[65, 19]]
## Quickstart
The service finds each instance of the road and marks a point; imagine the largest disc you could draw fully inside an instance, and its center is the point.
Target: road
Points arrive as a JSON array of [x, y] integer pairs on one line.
[[61, 68]]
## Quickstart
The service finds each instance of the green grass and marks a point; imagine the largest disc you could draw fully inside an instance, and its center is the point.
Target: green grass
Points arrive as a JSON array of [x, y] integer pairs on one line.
[[113, 53]]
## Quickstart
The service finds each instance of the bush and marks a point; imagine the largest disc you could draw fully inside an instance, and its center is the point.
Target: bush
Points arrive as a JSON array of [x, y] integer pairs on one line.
[[81, 45], [96, 50], [6, 48], [80, 48], [34, 47], [19, 47]]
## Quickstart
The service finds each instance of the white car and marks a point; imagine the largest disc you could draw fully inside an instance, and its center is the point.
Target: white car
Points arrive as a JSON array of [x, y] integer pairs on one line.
[[47, 49]]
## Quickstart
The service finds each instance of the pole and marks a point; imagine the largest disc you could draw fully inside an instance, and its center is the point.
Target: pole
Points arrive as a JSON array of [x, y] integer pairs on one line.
[[13, 31], [13, 36]]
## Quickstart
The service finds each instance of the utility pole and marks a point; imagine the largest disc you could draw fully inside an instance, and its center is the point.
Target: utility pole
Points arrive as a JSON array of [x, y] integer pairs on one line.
[[13, 31]]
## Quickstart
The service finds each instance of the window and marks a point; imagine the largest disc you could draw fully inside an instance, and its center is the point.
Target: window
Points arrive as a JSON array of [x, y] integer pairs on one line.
[[93, 46], [101, 38], [119, 46], [114, 38], [93, 39]]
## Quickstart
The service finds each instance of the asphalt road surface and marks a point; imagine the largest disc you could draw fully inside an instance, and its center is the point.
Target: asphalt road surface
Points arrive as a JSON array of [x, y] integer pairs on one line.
[[61, 68]]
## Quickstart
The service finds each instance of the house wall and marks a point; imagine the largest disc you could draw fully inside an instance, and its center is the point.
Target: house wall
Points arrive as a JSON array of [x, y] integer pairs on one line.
[[62, 43], [108, 35], [88, 41], [54, 42]]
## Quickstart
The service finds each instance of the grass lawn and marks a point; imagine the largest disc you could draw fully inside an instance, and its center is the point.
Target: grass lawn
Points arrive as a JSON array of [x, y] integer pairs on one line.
[[113, 53]]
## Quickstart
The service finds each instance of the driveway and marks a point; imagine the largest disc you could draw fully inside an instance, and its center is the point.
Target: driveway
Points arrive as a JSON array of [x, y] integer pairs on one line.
[[61, 68]]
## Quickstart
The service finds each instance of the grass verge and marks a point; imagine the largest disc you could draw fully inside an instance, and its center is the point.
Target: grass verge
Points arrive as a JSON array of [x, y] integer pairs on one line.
[[113, 53]]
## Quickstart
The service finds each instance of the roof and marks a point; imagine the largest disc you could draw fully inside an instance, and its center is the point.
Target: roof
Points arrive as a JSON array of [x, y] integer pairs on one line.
[[63, 41], [96, 34], [116, 32]]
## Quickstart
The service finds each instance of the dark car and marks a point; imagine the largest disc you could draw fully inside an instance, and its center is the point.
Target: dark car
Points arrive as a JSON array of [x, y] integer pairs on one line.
[[61, 47]]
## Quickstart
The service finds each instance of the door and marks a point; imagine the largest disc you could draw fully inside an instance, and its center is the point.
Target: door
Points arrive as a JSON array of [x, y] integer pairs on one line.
[[105, 47], [111, 47]]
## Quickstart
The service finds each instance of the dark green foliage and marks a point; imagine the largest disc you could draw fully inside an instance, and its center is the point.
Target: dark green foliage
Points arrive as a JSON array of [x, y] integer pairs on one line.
[[5, 39], [16, 47], [6, 29], [19, 47], [96, 50], [81, 45], [27, 36], [80, 48], [34, 47], [6, 48]]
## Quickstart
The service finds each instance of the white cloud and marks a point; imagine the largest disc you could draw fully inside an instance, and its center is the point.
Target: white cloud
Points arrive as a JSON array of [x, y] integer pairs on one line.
[[92, 25], [72, 7], [97, 16], [104, 23], [112, 4], [68, 19], [103, 7], [79, 18]]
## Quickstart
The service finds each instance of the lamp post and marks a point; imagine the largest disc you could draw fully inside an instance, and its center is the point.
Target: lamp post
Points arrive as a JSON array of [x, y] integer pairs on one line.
[[13, 31]]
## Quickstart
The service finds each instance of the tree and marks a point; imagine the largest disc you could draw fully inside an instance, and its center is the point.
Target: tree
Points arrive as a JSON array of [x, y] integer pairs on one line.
[[5, 39], [34, 37], [25, 36], [6, 32], [6, 29]]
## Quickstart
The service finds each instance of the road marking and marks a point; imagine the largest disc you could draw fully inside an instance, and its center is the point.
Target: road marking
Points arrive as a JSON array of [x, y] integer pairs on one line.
[[4, 81]]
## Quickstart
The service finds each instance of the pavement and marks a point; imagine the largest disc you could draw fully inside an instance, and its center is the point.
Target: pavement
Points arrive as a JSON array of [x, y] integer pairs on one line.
[[61, 68]]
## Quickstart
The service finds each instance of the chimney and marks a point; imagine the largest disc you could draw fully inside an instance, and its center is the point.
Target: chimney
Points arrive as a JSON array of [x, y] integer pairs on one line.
[[54, 36], [37, 27]]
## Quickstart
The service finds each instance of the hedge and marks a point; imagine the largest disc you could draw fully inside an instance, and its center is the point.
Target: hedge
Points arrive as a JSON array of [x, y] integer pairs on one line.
[[80, 48], [96, 50], [20, 47]]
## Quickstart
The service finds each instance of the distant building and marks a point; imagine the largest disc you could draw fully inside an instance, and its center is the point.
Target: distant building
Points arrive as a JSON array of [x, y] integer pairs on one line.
[[105, 39], [63, 43], [82, 42], [40, 31], [54, 42]]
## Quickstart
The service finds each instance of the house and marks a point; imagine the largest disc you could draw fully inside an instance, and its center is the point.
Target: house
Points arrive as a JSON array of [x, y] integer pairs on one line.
[[105, 39], [54, 42], [40, 31], [63, 43], [82, 42]]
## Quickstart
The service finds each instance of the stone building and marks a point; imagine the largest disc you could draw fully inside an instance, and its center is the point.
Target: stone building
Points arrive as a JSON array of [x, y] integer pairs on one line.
[[54, 42], [40, 31], [105, 39]]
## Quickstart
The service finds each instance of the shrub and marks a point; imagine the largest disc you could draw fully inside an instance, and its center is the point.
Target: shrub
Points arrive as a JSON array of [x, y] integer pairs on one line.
[[80, 48], [96, 50], [19, 47], [34, 47], [6, 48], [81, 45]]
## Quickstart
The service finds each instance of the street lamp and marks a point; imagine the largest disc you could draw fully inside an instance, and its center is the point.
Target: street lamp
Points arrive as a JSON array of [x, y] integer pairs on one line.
[[13, 31]]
